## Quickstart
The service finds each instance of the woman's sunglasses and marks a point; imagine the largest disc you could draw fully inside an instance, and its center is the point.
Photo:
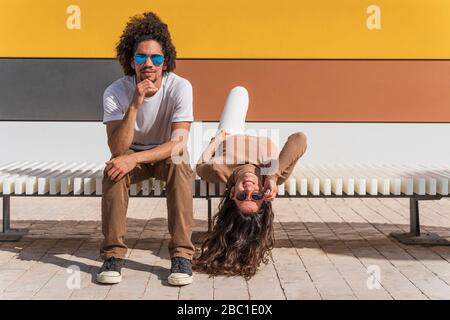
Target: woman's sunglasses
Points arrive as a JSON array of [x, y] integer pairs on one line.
[[157, 59], [242, 195]]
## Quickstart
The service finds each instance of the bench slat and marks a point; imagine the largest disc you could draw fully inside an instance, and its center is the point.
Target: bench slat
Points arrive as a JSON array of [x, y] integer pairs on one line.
[[60, 178]]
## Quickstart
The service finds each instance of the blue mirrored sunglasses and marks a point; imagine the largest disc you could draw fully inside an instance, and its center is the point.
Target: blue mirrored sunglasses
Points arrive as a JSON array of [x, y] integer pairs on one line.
[[242, 195], [157, 59]]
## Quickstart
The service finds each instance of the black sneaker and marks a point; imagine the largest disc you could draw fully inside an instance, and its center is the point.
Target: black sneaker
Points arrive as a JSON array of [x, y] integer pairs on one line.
[[110, 272], [180, 271]]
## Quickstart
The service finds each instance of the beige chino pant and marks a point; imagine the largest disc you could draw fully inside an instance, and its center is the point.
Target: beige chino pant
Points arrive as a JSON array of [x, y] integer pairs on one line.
[[178, 178]]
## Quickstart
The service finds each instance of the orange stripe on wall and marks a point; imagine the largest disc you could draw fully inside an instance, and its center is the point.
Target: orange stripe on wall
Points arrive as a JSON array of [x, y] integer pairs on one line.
[[323, 90]]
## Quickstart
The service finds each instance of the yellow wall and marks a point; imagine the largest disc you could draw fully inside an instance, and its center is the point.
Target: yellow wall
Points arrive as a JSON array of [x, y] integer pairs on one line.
[[279, 29]]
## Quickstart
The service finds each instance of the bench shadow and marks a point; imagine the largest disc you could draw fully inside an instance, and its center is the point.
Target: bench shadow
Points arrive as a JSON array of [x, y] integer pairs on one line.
[[48, 239]]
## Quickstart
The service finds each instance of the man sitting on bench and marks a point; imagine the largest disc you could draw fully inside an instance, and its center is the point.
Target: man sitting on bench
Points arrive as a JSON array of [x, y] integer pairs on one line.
[[148, 114]]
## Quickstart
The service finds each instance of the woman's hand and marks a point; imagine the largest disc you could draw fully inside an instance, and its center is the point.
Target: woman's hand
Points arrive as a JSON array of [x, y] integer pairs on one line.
[[118, 167], [270, 189]]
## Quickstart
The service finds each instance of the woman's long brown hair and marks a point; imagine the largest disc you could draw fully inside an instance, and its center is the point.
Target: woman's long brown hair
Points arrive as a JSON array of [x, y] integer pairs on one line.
[[239, 241]]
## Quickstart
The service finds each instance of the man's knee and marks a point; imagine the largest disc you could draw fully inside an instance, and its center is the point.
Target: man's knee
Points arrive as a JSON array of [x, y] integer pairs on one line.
[[106, 177], [181, 169], [108, 181]]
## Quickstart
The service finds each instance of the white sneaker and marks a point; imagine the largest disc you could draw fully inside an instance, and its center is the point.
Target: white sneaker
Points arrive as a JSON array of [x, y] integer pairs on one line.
[[111, 271], [180, 272]]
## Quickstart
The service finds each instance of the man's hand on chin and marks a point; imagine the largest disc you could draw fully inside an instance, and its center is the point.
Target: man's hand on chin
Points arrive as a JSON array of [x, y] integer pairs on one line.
[[118, 167]]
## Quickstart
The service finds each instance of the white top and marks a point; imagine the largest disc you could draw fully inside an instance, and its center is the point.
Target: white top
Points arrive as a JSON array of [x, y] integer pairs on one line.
[[172, 103]]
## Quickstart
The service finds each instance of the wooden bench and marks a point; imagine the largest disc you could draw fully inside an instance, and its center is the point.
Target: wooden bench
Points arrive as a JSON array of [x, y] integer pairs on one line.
[[52, 179]]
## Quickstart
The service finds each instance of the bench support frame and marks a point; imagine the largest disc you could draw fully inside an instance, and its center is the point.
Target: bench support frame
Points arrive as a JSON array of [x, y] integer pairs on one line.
[[8, 234], [210, 222], [414, 236]]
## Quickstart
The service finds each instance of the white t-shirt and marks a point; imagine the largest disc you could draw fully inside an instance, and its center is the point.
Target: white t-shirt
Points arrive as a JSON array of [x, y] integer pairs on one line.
[[172, 103]]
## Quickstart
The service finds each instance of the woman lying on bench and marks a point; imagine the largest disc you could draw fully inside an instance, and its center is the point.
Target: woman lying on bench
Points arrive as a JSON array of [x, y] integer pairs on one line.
[[242, 235]]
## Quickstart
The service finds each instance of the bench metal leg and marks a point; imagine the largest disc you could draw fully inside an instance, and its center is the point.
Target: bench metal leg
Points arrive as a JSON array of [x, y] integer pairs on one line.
[[414, 236], [209, 215], [8, 234]]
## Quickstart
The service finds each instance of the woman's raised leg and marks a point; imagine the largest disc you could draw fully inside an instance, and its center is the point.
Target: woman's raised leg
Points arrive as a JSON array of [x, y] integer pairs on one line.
[[234, 112]]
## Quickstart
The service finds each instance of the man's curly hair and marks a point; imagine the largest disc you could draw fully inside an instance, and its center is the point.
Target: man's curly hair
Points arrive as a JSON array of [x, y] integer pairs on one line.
[[147, 26]]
